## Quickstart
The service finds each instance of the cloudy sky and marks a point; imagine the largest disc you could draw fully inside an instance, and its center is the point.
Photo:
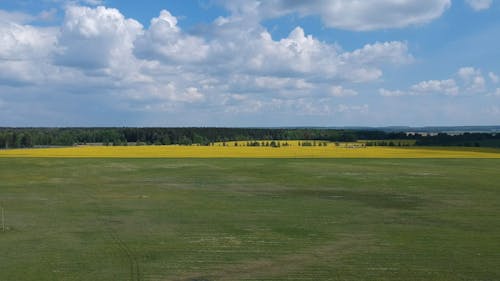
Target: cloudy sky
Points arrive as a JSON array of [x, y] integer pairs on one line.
[[249, 62]]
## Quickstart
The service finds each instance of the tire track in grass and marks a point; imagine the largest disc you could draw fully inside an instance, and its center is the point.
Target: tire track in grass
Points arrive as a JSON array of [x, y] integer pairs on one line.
[[135, 273], [135, 269]]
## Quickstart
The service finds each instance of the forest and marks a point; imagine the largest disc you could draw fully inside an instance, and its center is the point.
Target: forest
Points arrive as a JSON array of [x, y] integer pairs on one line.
[[49, 137]]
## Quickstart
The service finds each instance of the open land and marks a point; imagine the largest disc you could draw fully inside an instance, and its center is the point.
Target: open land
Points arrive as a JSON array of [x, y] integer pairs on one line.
[[354, 218], [231, 150]]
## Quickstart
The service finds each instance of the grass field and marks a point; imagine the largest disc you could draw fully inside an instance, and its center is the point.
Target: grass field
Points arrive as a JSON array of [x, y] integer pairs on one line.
[[231, 151], [250, 219]]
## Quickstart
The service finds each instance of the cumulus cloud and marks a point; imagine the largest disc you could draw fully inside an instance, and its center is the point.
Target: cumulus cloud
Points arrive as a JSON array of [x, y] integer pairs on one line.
[[237, 103], [447, 87], [234, 65], [352, 108], [172, 92], [303, 54], [493, 77], [278, 83], [345, 14], [391, 93], [443, 87], [23, 18], [24, 42], [164, 40], [363, 64], [255, 52], [24, 52], [95, 38], [473, 79], [339, 91], [15, 17], [466, 73], [389, 52], [300, 53], [479, 5], [47, 15], [469, 81]]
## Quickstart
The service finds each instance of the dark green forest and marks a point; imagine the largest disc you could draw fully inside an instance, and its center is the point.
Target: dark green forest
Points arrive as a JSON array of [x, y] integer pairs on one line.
[[39, 137]]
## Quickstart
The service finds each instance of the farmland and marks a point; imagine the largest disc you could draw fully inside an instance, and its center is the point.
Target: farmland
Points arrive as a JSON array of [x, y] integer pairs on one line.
[[230, 150], [248, 219]]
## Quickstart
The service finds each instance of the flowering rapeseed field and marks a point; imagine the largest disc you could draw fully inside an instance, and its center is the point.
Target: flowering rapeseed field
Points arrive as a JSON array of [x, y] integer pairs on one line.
[[239, 151]]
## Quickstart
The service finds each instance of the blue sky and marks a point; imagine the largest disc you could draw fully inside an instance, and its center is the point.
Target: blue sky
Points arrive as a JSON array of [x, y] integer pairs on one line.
[[249, 63]]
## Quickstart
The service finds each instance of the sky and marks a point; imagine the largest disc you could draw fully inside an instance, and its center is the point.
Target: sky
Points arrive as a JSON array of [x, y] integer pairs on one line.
[[249, 63]]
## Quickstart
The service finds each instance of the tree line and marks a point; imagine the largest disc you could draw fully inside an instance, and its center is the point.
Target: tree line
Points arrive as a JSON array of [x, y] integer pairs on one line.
[[36, 137], [465, 139]]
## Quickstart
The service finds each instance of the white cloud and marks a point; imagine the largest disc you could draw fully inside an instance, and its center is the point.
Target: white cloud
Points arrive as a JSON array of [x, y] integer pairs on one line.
[[23, 18], [364, 64], [493, 77], [277, 83], [255, 52], [497, 92], [164, 40], [96, 38], [47, 15], [302, 106], [157, 93], [447, 87], [301, 54], [297, 54], [236, 103], [479, 5], [192, 94], [466, 73], [352, 108], [339, 91], [24, 42], [394, 52], [473, 79], [346, 14], [233, 65], [19, 73], [24, 53], [15, 17], [391, 93]]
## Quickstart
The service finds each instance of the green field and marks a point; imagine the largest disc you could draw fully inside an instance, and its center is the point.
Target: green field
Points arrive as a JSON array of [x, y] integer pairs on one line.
[[250, 219]]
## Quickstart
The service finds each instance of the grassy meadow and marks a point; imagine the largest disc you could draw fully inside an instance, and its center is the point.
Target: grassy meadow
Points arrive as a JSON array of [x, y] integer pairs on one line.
[[249, 219]]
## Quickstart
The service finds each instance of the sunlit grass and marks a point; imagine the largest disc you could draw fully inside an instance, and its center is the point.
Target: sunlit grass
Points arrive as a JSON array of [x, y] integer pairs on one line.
[[249, 219]]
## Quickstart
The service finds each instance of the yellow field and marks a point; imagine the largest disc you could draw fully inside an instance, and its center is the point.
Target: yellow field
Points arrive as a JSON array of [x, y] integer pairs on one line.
[[231, 151]]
